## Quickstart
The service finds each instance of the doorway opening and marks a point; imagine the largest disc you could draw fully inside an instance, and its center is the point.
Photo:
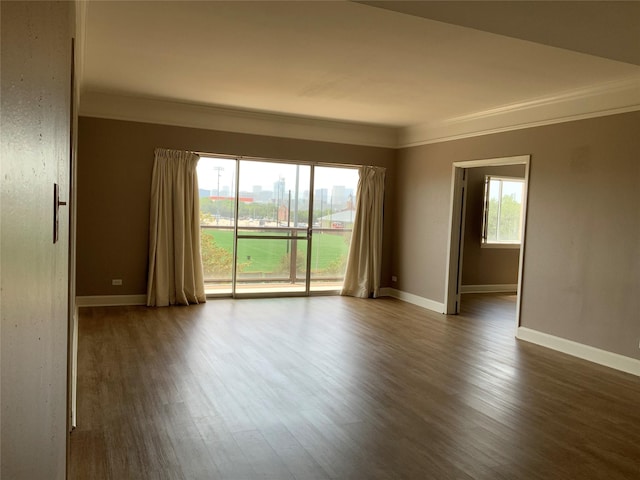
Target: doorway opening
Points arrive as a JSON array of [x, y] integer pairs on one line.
[[478, 260], [274, 228]]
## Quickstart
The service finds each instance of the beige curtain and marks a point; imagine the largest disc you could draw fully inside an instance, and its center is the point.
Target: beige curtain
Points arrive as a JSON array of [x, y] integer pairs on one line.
[[362, 277], [175, 266]]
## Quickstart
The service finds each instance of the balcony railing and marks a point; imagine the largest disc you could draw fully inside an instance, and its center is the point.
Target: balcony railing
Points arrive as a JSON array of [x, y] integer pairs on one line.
[[289, 269]]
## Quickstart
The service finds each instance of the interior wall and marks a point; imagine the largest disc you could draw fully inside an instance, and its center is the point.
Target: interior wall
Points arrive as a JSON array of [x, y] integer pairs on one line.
[[486, 266], [582, 261], [35, 116], [115, 161]]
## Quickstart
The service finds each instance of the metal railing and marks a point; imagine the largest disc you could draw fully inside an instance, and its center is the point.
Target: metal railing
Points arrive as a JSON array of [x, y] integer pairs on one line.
[[267, 232]]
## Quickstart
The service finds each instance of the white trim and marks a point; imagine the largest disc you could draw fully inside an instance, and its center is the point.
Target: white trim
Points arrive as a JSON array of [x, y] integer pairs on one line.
[[585, 352], [454, 243], [110, 300], [414, 299], [609, 98], [451, 285], [387, 292], [509, 128], [496, 288], [164, 112], [498, 245], [494, 162], [74, 369], [525, 209]]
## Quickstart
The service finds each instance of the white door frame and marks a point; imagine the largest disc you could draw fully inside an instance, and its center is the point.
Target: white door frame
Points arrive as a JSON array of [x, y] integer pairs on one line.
[[456, 228]]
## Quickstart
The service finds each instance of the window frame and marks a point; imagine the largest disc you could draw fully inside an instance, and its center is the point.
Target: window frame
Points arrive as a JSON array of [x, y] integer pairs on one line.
[[313, 283], [484, 242]]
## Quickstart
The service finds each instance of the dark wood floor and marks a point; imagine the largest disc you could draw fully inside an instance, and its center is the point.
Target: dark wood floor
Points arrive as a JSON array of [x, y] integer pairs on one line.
[[342, 388]]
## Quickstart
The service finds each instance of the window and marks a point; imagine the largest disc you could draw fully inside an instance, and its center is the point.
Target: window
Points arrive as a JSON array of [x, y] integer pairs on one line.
[[274, 227], [502, 213]]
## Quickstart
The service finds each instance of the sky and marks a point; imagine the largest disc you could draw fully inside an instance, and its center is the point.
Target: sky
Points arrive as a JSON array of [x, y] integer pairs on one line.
[[265, 174], [512, 186]]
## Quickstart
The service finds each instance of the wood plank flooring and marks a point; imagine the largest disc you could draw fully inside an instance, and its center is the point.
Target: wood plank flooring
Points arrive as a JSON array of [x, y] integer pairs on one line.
[[342, 388]]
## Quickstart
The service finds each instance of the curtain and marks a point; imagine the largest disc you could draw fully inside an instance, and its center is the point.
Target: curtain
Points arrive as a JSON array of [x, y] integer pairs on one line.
[[175, 266], [362, 277]]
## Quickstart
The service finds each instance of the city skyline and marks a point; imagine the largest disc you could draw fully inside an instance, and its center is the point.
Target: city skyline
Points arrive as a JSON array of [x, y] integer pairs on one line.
[[268, 181]]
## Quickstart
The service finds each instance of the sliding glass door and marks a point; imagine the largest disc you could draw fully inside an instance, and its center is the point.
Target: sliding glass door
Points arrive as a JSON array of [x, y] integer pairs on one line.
[[272, 234], [333, 215], [217, 182], [274, 228]]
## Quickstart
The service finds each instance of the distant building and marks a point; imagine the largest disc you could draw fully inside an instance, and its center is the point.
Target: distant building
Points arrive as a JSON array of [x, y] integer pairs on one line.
[[283, 214], [339, 197], [279, 192], [338, 220], [351, 201], [244, 193], [264, 196], [320, 199]]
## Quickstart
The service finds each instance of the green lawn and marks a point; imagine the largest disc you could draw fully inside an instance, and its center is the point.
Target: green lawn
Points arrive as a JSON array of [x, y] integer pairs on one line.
[[267, 255]]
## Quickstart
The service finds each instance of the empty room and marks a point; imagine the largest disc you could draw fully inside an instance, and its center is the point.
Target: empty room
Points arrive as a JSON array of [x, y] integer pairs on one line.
[[320, 240]]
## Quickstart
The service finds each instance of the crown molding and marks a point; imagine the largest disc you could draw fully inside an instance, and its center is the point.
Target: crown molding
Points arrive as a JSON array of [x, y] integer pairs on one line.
[[596, 101], [147, 110]]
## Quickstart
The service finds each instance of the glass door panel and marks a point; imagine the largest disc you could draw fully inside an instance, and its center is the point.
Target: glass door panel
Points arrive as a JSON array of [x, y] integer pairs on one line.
[[271, 265], [216, 183], [272, 230], [333, 215]]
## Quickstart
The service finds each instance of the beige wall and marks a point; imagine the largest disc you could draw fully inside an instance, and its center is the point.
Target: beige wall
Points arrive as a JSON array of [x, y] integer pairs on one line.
[[486, 266], [36, 66], [115, 160], [582, 259]]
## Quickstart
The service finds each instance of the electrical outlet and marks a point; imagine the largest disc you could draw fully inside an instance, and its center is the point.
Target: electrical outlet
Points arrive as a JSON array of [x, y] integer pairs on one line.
[[394, 278], [116, 281]]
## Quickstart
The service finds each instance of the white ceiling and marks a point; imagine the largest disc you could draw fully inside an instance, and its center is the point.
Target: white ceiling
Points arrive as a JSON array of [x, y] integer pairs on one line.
[[605, 28], [337, 61]]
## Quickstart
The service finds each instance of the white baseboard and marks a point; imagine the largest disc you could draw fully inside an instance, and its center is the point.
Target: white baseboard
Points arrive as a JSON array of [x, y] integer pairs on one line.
[[414, 299], [499, 288], [111, 300], [586, 352]]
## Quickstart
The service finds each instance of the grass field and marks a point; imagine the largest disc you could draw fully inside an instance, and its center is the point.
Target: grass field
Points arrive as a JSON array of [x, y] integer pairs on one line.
[[267, 255]]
